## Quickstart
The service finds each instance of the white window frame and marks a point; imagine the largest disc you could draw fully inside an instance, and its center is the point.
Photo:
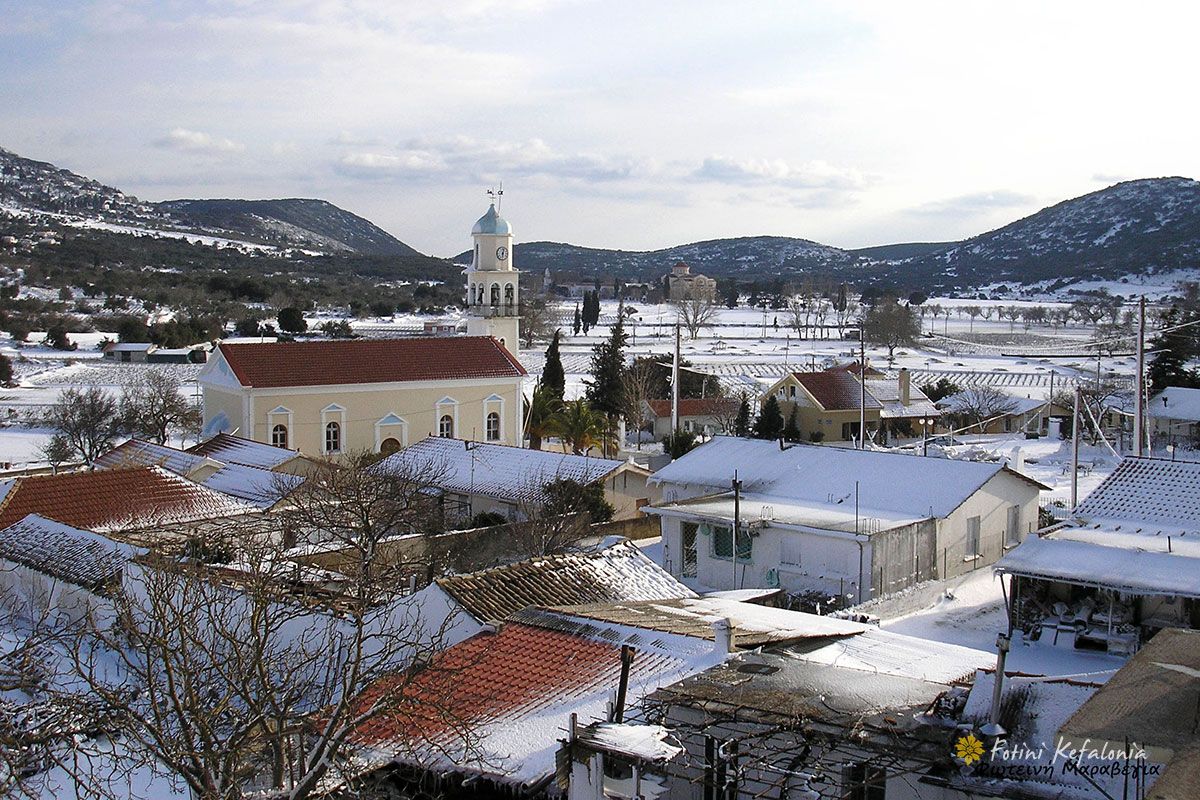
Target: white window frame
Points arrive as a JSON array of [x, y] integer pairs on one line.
[[1012, 526], [334, 413], [390, 422], [280, 415], [446, 406], [286, 434], [494, 403]]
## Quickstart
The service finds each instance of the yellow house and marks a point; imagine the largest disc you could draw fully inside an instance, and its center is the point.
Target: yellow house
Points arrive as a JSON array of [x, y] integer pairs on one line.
[[334, 397], [827, 404]]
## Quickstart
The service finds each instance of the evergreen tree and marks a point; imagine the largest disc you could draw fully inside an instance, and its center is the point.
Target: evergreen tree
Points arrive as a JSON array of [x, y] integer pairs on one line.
[[769, 424], [741, 425], [1173, 350], [606, 391], [578, 324], [553, 377], [791, 431]]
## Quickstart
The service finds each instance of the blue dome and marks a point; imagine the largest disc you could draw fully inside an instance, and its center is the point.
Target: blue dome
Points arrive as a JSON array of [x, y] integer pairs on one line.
[[492, 223]]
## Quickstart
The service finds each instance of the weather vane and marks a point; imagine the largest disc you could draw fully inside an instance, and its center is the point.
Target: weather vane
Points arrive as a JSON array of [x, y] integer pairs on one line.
[[496, 195]]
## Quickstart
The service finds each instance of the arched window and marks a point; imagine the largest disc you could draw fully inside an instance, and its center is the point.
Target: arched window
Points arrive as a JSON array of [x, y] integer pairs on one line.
[[333, 438], [389, 446], [279, 436], [446, 427], [508, 294], [493, 427], [495, 294]]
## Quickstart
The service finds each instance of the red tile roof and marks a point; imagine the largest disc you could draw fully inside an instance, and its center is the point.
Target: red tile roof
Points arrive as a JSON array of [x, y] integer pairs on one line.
[[115, 499], [492, 677], [352, 361], [835, 390], [696, 406]]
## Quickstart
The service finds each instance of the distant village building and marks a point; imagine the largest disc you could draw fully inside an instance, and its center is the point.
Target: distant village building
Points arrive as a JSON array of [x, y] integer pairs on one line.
[[683, 285], [827, 404], [493, 291], [703, 416], [1174, 415], [341, 396], [147, 353]]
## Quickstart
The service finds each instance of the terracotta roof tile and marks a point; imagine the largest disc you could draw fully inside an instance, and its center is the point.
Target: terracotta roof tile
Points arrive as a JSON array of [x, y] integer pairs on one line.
[[835, 390], [351, 361], [696, 406], [620, 572], [115, 499], [493, 677], [236, 450]]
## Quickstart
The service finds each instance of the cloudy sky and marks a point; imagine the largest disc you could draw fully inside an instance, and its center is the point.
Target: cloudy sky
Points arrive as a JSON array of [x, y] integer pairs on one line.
[[634, 125]]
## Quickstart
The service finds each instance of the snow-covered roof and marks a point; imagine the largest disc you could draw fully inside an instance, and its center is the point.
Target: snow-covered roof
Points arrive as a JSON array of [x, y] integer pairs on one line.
[[620, 572], [128, 347], [652, 743], [1122, 569], [784, 511], [905, 486], [1151, 491], [517, 689], [887, 392], [234, 449], [73, 555], [515, 474], [140, 453], [753, 625], [858, 680], [261, 488], [1175, 402]]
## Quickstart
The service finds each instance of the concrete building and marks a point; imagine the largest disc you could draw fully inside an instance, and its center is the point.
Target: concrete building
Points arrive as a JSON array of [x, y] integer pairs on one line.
[[683, 285]]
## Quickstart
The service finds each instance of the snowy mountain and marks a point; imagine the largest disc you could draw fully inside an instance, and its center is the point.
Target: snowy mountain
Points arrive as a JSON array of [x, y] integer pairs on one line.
[[36, 187], [751, 257], [1141, 227]]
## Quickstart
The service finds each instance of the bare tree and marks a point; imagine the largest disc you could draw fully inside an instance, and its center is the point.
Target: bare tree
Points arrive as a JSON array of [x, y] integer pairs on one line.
[[153, 407], [539, 319], [696, 312], [977, 404], [87, 420], [233, 673]]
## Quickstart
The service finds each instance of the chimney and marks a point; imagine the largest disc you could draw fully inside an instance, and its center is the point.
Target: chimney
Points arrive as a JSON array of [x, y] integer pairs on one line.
[[722, 637], [903, 381]]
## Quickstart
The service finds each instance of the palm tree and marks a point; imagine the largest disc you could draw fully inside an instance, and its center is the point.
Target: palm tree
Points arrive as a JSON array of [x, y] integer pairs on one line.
[[580, 427], [543, 407]]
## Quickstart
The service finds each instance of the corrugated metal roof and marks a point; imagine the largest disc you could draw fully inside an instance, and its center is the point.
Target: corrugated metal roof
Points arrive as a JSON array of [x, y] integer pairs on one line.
[[620, 572]]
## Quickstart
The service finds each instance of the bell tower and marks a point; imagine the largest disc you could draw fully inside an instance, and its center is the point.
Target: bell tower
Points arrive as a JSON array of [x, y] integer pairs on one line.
[[492, 282]]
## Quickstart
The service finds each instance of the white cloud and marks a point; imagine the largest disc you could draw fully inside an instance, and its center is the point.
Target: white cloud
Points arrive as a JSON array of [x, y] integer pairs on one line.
[[816, 174], [187, 141], [967, 205]]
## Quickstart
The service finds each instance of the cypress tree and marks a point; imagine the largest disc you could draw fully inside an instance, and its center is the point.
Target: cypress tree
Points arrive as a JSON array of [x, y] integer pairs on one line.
[[741, 425], [791, 431], [578, 322], [553, 377], [606, 392], [769, 424]]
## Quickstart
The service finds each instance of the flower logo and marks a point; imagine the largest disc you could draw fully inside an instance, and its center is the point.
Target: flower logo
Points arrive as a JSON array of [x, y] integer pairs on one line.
[[968, 748]]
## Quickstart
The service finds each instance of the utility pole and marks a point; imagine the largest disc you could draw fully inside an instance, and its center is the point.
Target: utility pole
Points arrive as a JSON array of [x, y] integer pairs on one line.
[[737, 519], [675, 385], [1075, 452], [1140, 408], [862, 385]]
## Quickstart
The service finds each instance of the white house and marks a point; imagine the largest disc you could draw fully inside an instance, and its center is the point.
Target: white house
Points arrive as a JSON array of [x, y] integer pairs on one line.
[[832, 520]]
